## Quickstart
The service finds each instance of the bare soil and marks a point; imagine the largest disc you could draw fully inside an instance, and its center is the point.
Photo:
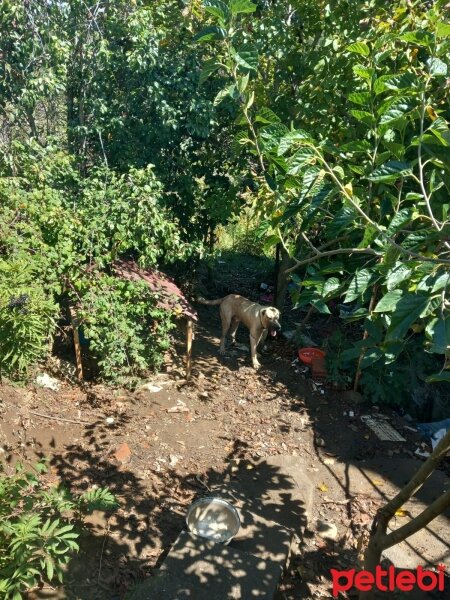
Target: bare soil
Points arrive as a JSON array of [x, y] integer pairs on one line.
[[157, 451]]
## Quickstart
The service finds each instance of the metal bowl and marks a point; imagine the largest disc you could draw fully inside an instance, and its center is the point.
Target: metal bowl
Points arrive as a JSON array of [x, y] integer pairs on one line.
[[213, 518]]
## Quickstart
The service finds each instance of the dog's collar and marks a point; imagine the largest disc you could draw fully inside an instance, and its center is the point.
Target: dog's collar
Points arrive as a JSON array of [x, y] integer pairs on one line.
[[262, 324]]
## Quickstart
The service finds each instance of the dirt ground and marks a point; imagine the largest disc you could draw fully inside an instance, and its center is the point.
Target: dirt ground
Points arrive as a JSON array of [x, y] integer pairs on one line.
[[158, 450]]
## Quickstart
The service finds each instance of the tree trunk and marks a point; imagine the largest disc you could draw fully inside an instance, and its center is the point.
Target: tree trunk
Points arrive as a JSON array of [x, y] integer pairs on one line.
[[282, 278]]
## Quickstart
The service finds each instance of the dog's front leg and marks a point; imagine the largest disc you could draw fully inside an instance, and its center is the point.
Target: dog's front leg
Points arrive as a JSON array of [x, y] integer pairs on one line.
[[253, 346]]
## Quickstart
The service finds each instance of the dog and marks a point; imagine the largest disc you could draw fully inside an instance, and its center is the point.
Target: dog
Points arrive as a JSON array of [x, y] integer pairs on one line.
[[260, 320]]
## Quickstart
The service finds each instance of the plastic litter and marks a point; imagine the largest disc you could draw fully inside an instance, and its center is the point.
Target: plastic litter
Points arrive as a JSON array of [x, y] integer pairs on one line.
[[48, 382], [429, 429], [437, 437]]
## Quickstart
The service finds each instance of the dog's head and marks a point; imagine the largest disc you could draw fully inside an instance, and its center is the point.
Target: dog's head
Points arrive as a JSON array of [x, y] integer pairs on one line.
[[270, 319]]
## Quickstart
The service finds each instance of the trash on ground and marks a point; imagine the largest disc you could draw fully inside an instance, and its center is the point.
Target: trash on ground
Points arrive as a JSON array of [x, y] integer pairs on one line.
[[428, 430], [382, 430], [179, 407], [422, 453], [150, 387], [437, 437], [50, 383]]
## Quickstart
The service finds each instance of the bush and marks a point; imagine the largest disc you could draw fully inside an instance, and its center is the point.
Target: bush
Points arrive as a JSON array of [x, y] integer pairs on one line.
[[128, 333], [27, 315], [56, 231], [39, 529]]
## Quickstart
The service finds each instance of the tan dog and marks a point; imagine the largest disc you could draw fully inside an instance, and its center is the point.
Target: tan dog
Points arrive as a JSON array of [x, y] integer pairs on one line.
[[260, 321]]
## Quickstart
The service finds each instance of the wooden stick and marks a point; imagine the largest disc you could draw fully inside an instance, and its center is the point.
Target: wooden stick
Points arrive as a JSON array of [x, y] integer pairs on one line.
[[32, 412], [189, 337], [76, 343]]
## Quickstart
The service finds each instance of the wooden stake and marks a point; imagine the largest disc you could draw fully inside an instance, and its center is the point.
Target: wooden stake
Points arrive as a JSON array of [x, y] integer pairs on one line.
[[76, 343], [189, 338]]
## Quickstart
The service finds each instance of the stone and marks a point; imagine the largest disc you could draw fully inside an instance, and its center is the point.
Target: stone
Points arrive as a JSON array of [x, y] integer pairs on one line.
[[351, 396], [219, 571], [277, 488], [123, 453], [326, 530]]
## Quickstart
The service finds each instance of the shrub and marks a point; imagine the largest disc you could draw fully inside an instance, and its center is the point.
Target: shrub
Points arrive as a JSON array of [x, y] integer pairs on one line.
[[39, 529], [27, 315], [128, 332], [56, 229]]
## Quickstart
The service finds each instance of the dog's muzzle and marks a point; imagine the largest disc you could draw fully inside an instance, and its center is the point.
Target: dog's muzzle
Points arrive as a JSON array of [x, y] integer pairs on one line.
[[274, 328]]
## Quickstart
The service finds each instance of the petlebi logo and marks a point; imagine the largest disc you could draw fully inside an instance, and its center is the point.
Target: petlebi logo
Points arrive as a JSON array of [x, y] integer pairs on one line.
[[388, 580]]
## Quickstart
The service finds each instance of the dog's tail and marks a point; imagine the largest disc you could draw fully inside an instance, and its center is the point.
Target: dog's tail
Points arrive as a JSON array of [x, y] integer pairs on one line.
[[210, 302]]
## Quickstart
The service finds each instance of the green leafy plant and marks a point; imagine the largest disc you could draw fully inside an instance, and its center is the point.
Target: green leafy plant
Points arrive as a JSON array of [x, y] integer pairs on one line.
[[39, 529], [128, 332], [27, 315], [59, 236], [359, 199]]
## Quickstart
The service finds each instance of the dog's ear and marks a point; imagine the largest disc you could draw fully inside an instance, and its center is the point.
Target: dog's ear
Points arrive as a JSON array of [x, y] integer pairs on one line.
[[264, 310]]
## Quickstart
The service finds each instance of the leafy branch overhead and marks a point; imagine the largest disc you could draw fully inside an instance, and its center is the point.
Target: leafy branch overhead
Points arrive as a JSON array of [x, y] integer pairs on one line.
[[374, 169]]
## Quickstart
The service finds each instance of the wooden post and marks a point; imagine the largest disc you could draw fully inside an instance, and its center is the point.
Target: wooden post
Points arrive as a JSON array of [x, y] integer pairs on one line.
[[76, 343], [189, 338]]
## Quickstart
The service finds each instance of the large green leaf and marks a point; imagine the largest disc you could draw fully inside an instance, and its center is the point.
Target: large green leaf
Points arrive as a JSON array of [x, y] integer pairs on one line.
[[438, 377], [371, 355], [359, 48], [229, 91], [356, 146], [292, 138], [266, 115], [389, 301], [443, 29], [312, 183], [408, 81], [441, 282], [217, 8], [393, 110], [242, 6], [437, 67], [399, 220], [304, 156], [363, 72], [342, 220], [407, 310], [397, 275], [361, 98], [270, 135], [358, 285], [391, 171], [210, 33], [209, 67], [421, 38], [363, 116], [438, 331], [247, 57]]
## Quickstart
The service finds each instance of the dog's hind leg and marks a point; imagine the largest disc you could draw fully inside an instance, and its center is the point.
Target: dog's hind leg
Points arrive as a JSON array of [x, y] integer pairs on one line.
[[234, 326]]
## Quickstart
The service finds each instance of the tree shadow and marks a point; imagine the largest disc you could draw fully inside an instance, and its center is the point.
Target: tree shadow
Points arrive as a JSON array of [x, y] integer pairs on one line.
[[119, 550]]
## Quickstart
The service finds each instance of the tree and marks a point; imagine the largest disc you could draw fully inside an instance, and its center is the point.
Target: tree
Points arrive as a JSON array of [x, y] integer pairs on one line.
[[361, 194]]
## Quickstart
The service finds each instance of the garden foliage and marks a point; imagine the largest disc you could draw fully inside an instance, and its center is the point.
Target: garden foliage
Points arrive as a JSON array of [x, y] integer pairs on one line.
[[354, 176], [39, 529]]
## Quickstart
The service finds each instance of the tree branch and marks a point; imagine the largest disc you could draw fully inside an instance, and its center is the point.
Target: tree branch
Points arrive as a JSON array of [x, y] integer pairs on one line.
[[417, 523], [318, 255]]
